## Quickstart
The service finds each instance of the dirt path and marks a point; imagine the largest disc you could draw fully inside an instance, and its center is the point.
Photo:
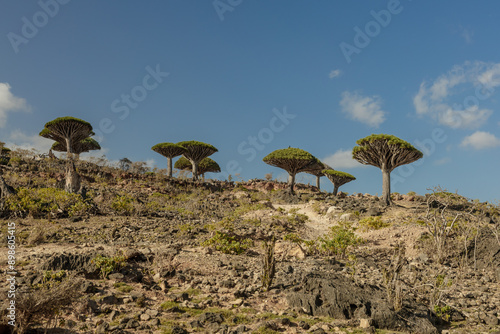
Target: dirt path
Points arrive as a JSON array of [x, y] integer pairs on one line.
[[317, 225]]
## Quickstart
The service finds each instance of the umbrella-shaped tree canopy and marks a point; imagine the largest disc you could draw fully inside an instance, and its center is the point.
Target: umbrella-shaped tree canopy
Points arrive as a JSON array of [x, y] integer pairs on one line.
[[169, 150], [338, 178], [67, 131], [195, 152], [293, 160], [206, 165], [385, 152], [84, 145]]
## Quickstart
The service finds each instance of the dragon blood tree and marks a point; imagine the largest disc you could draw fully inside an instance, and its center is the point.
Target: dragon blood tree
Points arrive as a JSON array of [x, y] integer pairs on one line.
[[317, 170], [293, 160], [169, 150], [84, 145], [338, 178], [196, 151], [68, 131], [206, 165], [385, 152]]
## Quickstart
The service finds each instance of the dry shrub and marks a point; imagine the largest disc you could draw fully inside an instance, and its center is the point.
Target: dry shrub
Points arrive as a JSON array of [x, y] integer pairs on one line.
[[42, 305]]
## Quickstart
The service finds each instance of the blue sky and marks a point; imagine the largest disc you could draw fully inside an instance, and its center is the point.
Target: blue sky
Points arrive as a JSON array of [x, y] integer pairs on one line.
[[251, 77]]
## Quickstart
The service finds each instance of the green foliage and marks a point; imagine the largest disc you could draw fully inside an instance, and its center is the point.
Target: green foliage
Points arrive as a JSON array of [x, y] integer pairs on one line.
[[108, 265], [228, 244], [169, 150], [193, 144], [372, 223], [123, 287], [206, 165], [338, 241], [443, 312], [123, 205], [338, 174], [67, 119], [39, 203], [50, 279], [290, 153], [411, 193], [389, 139]]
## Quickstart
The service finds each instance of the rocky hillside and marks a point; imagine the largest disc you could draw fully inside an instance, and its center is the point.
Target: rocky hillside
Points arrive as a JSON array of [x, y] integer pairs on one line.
[[141, 253]]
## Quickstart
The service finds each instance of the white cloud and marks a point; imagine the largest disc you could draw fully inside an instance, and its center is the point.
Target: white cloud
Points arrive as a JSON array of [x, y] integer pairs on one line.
[[10, 103], [467, 35], [442, 161], [18, 139], [480, 140], [335, 73], [365, 109], [456, 98], [341, 160]]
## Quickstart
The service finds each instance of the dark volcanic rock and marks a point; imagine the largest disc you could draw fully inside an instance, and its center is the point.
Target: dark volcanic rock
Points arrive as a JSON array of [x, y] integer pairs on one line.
[[337, 297]]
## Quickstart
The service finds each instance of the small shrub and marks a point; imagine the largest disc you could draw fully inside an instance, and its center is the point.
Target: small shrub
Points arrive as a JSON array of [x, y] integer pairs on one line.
[[123, 205], [39, 203], [338, 241], [228, 244], [372, 223], [108, 265], [123, 287]]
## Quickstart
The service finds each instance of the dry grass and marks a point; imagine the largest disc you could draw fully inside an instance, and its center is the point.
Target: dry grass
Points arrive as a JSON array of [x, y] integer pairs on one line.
[[40, 306]]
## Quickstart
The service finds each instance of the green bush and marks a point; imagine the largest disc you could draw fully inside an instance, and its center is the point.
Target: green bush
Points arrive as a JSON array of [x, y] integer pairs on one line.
[[44, 202], [372, 223], [338, 240], [108, 265], [228, 244], [123, 205]]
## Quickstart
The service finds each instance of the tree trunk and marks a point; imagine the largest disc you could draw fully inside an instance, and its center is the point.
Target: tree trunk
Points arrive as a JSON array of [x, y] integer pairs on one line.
[[317, 181], [73, 180], [386, 186], [195, 170], [169, 167], [291, 182], [335, 190], [69, 151], [5, 189]]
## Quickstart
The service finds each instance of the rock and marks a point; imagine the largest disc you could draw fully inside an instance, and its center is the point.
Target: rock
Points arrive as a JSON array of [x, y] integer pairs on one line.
[[179, 330], [132, 323], [237, 302], [109, 300], [346, 217], [195, 324], [373, 212], [116, 277], [227, 283], [155, 322], [336, 297], [145, 317], [333, 210], [365, 323], [102, 328], [152, 313], [208, 318]]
